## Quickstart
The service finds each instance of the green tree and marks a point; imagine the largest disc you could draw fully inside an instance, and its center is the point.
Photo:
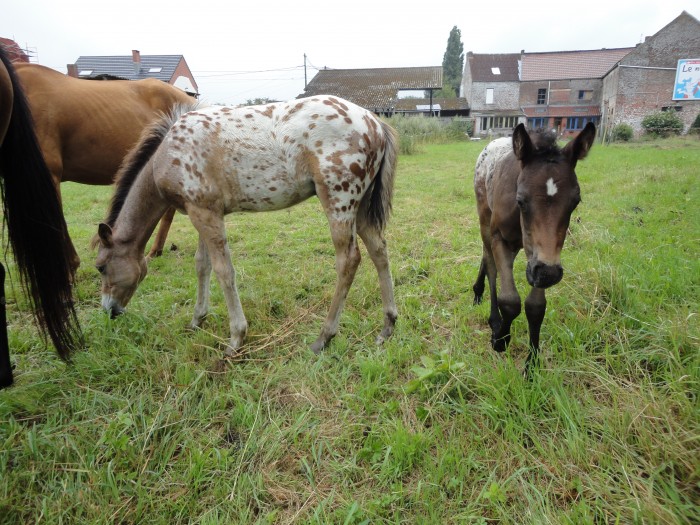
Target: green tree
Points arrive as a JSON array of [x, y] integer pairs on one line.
[[453, 61]]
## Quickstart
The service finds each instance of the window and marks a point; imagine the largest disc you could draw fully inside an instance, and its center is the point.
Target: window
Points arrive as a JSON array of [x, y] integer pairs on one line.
[[574, 123], [541, 96], [155, 70], [496, 70], [536, 123], [85, 73], [585, 94], [489, 95], [498, 123]]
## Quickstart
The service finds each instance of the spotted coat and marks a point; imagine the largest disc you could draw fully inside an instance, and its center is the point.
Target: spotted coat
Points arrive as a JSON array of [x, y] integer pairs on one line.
[[485, 167], [271, 157]]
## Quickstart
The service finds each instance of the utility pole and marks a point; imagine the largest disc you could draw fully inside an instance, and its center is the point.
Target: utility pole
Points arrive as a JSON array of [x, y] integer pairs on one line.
[[304, 70]]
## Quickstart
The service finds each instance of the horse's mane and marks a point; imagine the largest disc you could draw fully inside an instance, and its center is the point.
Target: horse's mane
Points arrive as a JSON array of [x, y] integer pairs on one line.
[[545, 143], [149, 141]]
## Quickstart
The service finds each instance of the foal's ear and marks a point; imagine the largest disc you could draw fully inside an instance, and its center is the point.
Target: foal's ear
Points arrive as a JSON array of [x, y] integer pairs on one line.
[[105, 234], [578, 148], [522, 145]]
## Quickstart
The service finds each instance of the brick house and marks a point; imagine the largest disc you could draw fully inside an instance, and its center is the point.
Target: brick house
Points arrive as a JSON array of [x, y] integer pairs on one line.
[[643, 81], [172, 69], [491, 87], [563, 90]]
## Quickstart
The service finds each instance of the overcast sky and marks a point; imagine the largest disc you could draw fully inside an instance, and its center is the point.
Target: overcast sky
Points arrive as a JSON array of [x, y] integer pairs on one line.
[[244, 50]]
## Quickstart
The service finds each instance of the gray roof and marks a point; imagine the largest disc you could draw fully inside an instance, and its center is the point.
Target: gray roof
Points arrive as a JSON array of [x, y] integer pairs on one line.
[[161, 67], [374, 89], [494, 67]]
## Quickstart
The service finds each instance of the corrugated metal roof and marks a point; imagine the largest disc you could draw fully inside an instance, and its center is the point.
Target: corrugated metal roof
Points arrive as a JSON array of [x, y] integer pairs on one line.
[[161, 67], [494, 68], [374, 89], [570, 65]]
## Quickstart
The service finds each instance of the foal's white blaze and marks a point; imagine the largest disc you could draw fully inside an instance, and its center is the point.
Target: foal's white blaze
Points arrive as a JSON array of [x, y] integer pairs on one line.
[[551, 187]]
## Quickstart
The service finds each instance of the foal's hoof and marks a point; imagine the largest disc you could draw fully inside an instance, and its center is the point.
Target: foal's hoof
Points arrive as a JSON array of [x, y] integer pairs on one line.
[[317, 346], [500, 345]]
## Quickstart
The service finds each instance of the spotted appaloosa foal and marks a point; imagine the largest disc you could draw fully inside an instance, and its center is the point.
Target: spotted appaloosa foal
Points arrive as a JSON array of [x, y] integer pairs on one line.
[[526, 189], [218, 160]]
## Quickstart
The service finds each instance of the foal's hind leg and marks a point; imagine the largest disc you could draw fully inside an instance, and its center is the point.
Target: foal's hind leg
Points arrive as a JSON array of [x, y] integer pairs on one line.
[[376, 247], [347, 259], [480, 281]]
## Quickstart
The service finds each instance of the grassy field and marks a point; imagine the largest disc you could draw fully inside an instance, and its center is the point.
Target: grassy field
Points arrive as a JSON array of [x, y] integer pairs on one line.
[[433, 427]]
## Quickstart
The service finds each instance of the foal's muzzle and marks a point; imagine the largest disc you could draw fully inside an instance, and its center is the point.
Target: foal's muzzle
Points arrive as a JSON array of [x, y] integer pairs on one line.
[[541, 275], [111, 306]]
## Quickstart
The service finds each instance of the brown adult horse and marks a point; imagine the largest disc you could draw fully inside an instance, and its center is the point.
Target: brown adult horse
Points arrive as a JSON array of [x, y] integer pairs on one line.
[[35, 224], [85, 128], [526, 189], [214, 161]]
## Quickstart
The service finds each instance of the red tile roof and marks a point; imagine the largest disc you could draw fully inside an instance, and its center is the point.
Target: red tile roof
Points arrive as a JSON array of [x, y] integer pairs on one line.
[[569, 65]]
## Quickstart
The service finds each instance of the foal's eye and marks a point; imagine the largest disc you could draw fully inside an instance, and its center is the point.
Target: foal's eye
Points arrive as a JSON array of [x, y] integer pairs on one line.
[[101, 269]]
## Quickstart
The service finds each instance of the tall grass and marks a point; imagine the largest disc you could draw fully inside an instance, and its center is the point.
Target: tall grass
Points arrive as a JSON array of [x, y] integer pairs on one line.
[[434, 427], [416, 131]]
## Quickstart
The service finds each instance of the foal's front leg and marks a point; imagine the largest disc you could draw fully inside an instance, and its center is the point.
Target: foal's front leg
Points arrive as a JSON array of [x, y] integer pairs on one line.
[[508, 299], [535, 307], [203, 266], [210, 226]]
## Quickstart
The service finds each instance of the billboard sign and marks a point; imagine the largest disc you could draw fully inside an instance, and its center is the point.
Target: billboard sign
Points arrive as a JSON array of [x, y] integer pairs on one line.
[[687, 79]]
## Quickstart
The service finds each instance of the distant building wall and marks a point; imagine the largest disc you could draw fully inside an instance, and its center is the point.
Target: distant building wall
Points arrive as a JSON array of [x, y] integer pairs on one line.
[[643, 81]]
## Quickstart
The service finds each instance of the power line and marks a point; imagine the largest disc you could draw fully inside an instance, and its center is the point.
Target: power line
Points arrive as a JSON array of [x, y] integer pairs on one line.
[[219, 73]]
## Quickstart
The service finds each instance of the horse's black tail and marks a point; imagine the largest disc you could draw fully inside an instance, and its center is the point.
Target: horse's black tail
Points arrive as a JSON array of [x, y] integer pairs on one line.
[[381, 193], [36, 228]]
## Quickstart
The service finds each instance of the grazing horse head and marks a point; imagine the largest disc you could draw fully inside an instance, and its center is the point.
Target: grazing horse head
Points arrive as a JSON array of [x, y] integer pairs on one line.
[[121, 269], [547, 194]]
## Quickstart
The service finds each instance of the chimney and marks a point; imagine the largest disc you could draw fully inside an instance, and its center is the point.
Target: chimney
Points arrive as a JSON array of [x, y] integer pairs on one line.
[[72, 70], [136, 57]]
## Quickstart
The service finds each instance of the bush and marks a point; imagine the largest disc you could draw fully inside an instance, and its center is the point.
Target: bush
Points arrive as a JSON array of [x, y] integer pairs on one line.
[[459, 128], [695, 126], [663, 124], [415, 131], [622, 133]]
